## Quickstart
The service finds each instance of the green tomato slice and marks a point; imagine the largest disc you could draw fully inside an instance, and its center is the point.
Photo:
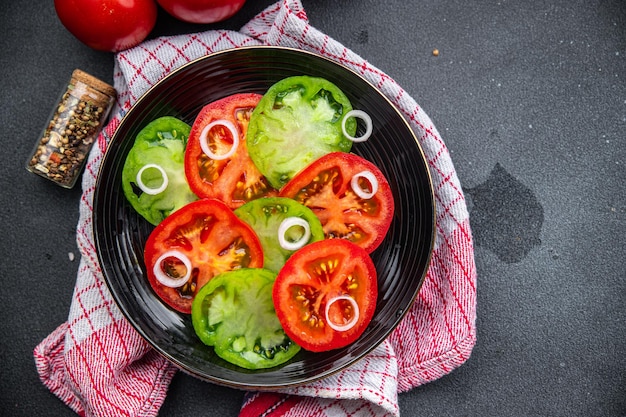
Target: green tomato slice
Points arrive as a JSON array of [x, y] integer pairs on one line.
[[157, 156], [297, 121], [234, 312], [265, 216]]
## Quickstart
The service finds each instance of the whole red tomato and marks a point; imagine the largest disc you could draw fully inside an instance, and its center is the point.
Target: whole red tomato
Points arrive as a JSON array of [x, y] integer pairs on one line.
[[108, 25], [202, 11]]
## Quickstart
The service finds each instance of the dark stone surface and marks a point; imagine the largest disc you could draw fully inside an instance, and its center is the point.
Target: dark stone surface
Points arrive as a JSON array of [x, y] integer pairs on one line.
[[530, 97]]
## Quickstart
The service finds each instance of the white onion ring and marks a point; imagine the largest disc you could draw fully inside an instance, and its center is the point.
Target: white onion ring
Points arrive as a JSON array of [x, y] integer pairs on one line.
[[204, 139], [144, 187], [351, 323], [288, 223], [358, 114], [165, 279], [369, 176]]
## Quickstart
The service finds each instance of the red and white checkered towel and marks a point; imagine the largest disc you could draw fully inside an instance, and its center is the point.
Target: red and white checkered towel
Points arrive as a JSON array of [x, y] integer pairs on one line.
[[100, 366]]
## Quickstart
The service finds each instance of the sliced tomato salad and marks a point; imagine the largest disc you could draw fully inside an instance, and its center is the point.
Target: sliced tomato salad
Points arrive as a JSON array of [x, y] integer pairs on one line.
[[325, 294], [349, 195], [314, 236], [217, 164], [192, 245]]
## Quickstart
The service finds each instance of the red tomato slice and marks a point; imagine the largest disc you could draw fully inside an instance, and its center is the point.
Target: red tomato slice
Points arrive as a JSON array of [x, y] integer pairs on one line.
[[317, 290], [234, 180], [325, 186], [207, 235]]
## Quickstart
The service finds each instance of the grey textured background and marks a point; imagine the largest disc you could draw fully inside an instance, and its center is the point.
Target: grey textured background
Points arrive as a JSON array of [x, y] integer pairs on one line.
[[530, 98]]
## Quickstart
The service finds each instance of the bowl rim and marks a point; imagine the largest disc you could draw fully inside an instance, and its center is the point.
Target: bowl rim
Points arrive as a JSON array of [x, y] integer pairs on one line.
[[127, 115]]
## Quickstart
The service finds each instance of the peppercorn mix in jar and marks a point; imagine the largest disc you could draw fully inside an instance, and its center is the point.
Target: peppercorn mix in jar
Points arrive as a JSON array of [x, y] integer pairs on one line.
[[75, 124]]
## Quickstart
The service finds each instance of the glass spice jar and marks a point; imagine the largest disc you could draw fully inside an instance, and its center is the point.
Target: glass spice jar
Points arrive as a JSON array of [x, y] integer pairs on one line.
[[72, 129]]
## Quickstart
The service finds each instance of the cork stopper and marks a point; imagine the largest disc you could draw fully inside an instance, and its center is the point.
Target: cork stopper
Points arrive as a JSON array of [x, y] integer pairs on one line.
[[94, 82]]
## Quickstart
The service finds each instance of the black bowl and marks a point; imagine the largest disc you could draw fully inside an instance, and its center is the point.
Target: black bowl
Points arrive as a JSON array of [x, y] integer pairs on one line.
[[401, 260]]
